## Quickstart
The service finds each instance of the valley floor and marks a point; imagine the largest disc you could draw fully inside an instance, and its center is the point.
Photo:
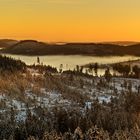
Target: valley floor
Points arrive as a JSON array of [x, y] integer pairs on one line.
[[61, 104]]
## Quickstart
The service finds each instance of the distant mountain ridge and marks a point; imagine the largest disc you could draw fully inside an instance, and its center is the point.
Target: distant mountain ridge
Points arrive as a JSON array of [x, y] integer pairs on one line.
[[33, 47]]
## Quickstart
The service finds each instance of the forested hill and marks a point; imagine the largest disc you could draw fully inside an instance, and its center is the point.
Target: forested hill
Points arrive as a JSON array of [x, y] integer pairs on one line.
[[31, 47], [11, 65]]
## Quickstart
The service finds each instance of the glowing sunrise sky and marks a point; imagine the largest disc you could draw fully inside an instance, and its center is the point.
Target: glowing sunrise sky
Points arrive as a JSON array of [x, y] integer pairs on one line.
[[70, 20]]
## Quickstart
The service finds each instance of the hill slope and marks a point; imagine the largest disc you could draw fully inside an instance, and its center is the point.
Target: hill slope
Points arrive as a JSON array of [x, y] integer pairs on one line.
[[31, 47], [7, 43]]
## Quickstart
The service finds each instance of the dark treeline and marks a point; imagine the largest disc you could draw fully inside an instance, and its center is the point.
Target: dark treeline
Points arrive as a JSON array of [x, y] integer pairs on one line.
[[127, 71], [116, 120], [122, 70], [11, 65]]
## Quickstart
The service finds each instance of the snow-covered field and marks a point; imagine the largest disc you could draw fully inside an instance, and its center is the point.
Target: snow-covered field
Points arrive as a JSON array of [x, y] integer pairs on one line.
[[47, 100]]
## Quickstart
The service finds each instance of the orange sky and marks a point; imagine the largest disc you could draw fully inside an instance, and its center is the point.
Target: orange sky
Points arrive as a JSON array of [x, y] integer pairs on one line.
[[70, 20]]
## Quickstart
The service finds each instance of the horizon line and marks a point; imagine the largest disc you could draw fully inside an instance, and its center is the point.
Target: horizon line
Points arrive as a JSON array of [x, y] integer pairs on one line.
[[42, 40]]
